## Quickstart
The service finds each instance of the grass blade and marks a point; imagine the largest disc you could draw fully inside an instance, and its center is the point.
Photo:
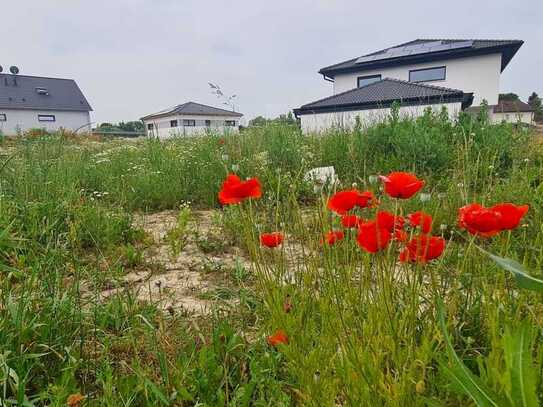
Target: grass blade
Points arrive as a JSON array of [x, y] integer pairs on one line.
[[517, 350], [460, 374], [522, 277]]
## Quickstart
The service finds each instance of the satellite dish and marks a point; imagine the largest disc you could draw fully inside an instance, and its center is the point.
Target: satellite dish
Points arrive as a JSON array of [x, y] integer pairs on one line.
[[14, 70]]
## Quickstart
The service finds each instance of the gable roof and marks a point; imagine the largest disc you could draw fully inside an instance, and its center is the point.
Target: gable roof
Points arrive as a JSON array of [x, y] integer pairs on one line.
[[384, 93], [21, 92], [426, 50], [193, 109]]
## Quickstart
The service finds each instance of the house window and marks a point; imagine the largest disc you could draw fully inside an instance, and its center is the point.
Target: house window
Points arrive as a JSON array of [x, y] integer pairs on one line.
[[230, 123], [366, 80], [190, 123], [3, 117], [173, 123], [150, 126], [208, 123], [46, 118], [427, 74]]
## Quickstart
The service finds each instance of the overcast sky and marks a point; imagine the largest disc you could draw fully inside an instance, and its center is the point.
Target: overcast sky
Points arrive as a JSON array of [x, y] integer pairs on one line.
[[134, 57]]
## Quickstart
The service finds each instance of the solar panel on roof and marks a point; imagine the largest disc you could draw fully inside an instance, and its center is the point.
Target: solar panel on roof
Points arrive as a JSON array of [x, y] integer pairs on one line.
[[415, 49]]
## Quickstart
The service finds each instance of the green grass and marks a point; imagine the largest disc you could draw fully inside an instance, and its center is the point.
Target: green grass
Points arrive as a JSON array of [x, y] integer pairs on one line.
[[363, 329]]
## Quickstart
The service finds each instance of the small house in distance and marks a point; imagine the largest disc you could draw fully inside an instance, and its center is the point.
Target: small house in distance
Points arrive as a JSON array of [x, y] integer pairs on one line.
[[28, 102], [190, 119], [416, 75]]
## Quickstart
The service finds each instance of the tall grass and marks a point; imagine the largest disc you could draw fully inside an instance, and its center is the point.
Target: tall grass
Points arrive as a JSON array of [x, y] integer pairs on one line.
[[363, 329]]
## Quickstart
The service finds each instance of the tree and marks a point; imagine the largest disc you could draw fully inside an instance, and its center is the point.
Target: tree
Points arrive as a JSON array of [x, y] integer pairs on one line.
[[287, 119], [535, 101], [509, 97]]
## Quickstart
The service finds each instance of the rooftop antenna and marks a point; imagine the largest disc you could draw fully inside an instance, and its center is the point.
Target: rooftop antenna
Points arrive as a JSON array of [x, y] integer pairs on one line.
[[14, 70]]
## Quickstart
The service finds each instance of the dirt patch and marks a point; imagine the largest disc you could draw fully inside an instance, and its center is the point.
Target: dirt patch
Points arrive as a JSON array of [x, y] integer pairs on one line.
[[194, 280]]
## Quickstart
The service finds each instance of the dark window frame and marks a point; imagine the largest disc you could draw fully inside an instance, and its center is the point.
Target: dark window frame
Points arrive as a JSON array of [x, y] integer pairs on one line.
[[376, 76], [189, 123], [3, 117], [150, 126], [208, 123], [230, 123], [174, 123], [429, 69], [47, 118]]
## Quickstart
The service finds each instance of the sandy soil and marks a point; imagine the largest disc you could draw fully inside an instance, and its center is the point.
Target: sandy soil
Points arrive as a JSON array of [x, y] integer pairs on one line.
[[186, 282]]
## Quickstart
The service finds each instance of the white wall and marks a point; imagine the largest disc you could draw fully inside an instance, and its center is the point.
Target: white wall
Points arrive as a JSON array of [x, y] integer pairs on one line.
[[319, 122], [477, 74], [513, 117], [22, 120], [163, 130]]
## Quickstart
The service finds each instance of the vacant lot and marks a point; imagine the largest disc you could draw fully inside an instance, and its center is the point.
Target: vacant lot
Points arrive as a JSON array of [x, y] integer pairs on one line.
[[125, 282]]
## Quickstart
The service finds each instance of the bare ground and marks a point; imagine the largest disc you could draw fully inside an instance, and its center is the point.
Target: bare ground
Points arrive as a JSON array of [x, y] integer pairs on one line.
[[192, 280]]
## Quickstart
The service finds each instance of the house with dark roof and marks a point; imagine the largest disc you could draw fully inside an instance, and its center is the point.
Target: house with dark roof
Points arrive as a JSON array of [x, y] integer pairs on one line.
[[415, 75], [190, 118], [28, 102]]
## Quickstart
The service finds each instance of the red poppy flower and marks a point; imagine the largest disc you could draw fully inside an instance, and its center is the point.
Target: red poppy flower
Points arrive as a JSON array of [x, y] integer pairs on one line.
[[351, 221], [388, 221], [271, 240], [278, 338], [423, 248], [343, 201], [366, 199], [401, 185], [478, 220], [510, 214], [373, 238], [333, 237], [421, 219], [400, 235], [234, 190]]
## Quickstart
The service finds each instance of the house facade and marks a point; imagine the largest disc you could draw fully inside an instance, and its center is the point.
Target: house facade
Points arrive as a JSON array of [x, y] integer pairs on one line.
[[472, 67], [30, 102], [189, 119]]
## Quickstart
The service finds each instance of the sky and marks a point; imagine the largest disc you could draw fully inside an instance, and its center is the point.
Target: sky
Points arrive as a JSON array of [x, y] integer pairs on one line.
[[136, 57]]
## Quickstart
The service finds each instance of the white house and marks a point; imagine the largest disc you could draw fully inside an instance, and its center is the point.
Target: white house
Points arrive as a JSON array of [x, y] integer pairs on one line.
[[190, 119], [514, 111], [416, 75], [28, 102]]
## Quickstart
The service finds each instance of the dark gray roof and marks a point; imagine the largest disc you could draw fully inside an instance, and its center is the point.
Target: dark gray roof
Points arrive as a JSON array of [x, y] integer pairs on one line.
[[21, 92], [423, 50], [192, 108], [506, 106], [382, 94]]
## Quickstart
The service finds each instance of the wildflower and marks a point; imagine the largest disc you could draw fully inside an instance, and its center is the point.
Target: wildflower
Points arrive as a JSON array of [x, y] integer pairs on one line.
[[373, 238], [271, 240], [423, 197], [400, 235], [510, 214], [421, 219], [350, 221], [287, 305], [388, 221], [401, 185], [478, 220], [343, 201], [234, 190], [423, 248], [278, 338], [373, 179], [74, 400], [332, 237]]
